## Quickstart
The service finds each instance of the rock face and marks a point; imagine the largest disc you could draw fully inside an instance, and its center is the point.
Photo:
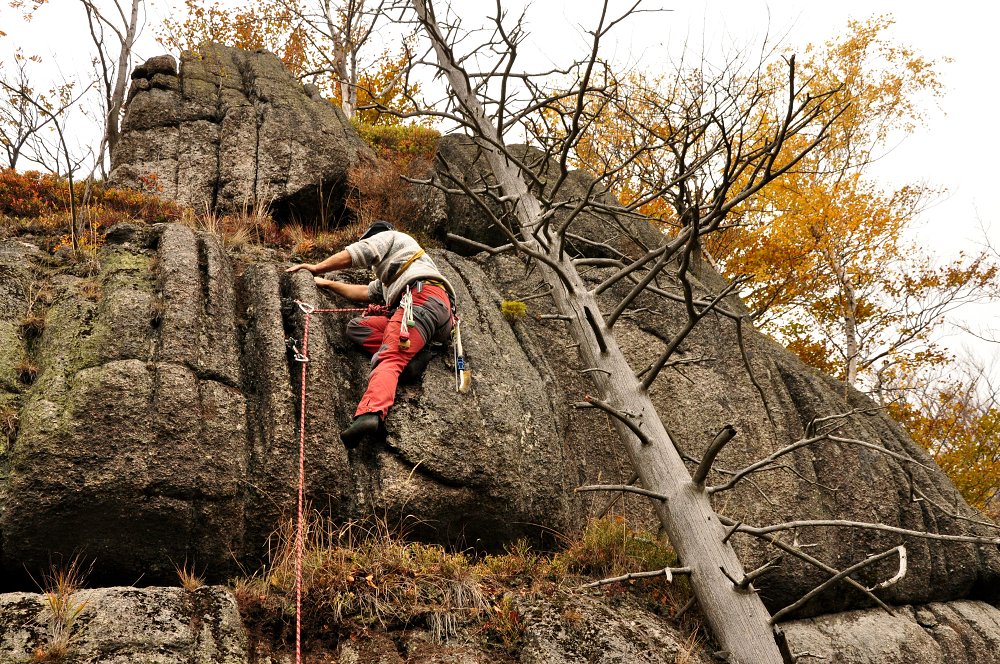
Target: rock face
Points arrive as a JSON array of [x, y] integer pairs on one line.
[[961, 632], [232, 128], [163, 425], [604, 235], [602, 631], [128, 625]]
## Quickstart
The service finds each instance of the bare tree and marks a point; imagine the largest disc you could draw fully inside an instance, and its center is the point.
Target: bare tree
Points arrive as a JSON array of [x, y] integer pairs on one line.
[[733, 136], [60, 154], [20, 120], [345, 28], [114, 31]]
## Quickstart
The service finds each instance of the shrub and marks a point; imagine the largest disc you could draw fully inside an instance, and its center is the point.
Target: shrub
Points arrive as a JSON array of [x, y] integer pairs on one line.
[[60, 586], [400, 143], [513, 309]]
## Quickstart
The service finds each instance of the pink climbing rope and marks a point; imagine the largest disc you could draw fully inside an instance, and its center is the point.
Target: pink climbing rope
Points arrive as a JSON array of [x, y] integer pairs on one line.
[[303, 359]]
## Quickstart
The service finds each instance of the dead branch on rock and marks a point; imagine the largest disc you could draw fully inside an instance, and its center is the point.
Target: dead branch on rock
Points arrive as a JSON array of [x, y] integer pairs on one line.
[[622, 417], [668, 572], [759, 572], [899, 550], [492, 251], [796, 551], [626, 488], [864, 525], [721, 438], [766, 463]]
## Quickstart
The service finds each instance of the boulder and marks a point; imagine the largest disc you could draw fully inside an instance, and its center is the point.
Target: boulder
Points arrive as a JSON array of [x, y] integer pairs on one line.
[[770, 408], [234, 128], [126, 625], [131, 449], [164, 422], [164, 425], [571, 628], [959, 632]]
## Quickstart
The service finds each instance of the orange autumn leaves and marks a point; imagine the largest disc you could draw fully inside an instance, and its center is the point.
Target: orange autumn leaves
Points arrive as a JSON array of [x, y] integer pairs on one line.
[[827, 252], [289, 29]]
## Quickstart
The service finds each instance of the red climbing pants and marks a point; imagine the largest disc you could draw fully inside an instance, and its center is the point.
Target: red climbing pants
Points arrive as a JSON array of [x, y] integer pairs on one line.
[[379, 335]]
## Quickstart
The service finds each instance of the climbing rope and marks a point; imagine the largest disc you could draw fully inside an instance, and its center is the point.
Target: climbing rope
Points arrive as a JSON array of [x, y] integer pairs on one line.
[[302, 357], [462, 380]]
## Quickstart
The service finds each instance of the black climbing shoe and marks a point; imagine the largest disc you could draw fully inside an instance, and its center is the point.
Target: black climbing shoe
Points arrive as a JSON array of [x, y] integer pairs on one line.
[[414, 371], [362, 427]]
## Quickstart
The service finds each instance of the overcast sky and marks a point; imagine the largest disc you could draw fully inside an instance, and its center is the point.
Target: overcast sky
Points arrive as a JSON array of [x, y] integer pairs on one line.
[[956, 149]]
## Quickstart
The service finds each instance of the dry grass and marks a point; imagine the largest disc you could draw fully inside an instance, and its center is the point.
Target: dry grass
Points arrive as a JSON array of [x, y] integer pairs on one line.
[[356, 576], [60, 585], [189, 578], [10, 422], [363, 575], [26, 370], [377, 191]]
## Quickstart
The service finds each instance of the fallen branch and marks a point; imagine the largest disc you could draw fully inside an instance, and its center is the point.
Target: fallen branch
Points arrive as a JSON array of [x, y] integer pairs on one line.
[[590, 401], [900, 550], [803, 443], [721, 438], [839, 523], [759, 572], [611, 503], [492, 251], [805, 557], [627, 488], [668, 572]]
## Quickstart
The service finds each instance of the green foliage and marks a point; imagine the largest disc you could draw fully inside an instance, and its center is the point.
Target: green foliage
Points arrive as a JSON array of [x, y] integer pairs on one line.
[[399, 142], [513, 309], [609, 547]]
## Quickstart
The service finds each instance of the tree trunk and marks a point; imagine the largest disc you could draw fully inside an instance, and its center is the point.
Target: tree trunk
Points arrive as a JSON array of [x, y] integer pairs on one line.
[[121, 79], [738, 620], [850, 315]]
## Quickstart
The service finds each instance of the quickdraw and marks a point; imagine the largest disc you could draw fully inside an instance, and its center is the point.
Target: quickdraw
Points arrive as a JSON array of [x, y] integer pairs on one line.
[[463, 376]]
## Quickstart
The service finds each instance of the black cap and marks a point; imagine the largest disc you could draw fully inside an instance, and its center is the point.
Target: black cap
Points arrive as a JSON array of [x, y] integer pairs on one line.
[[376, 228]]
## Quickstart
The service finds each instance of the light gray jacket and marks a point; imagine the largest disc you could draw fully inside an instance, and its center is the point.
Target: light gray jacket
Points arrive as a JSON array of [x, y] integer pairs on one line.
[[387, 252]]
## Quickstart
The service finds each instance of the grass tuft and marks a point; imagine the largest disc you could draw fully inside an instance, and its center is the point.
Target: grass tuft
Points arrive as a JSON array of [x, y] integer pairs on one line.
[[60, 585]]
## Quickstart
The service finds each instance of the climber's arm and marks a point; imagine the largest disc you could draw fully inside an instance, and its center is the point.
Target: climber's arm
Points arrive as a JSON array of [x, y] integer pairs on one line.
[[353, 292], [338, 261]]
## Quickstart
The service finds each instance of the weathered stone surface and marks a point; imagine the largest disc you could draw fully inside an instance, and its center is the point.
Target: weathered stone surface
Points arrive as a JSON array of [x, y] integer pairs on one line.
[[132, 441], [157, 65], [129, 625], [232, 128], [165, 415], [602, 630], [959, 632]]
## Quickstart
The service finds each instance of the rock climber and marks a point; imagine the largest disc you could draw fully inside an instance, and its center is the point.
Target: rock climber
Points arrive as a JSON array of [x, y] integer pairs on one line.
[[403, 271]]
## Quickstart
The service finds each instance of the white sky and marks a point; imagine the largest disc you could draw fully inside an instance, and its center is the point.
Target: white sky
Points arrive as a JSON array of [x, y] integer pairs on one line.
[[956, 149]]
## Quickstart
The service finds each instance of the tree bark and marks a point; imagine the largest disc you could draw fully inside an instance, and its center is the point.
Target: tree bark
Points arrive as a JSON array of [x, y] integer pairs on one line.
[[739, 620]]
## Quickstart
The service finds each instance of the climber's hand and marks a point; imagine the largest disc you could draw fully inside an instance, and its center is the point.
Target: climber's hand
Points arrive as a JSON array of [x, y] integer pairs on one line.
[[302, 266]]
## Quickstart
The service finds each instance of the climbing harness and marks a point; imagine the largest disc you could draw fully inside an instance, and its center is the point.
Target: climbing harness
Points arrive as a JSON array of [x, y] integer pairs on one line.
[[404, 267]]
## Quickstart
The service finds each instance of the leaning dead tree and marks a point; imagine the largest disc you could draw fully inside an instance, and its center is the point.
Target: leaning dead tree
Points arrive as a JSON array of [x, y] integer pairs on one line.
[[727, 144]]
